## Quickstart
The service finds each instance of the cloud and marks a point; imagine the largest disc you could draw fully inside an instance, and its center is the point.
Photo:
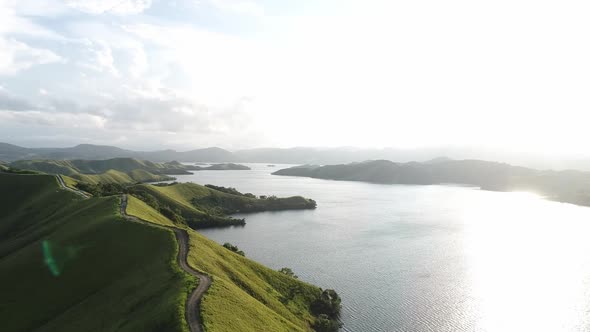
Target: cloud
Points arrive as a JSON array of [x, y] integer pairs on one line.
[[16, 56], [239, 6], [139, 61], [59, 119], [9, 101], [15, 53], [117, 7], [101, 58]]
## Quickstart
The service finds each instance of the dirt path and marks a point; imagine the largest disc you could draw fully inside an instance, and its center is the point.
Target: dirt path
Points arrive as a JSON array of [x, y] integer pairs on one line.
[[75, 191], [193, 304]]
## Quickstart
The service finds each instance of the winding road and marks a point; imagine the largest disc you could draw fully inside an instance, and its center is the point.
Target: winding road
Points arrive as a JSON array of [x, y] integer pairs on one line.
[[193, 303], [75, 191]]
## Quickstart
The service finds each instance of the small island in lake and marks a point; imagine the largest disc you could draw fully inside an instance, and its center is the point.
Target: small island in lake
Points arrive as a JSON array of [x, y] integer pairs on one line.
[[224, 167]]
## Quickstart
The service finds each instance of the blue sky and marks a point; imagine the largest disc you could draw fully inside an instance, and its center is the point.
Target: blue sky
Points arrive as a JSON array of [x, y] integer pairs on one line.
[[182, 74]]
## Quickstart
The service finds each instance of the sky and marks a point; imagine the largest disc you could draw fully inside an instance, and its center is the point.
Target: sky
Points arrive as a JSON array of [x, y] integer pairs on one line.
[[150, 74]]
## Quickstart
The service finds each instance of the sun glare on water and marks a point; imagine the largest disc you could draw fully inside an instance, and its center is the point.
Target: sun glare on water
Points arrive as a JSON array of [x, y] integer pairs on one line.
[[526, 274]]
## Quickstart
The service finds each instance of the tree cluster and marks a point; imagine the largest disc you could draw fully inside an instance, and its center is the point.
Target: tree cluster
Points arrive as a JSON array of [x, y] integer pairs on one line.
[[102, 189], [327, 309]]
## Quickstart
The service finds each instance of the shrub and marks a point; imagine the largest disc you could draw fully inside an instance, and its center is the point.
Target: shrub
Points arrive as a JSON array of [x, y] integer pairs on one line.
[[288, 272], [233, 248]]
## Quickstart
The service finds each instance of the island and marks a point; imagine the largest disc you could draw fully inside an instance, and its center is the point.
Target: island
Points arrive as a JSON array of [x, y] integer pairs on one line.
[[224, 167], [565, 186]]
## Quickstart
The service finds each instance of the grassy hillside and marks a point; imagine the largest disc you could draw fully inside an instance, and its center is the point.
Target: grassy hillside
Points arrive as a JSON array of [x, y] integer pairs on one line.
[[258, 296], [100, 166], [113, 176], [70, 182], [93, 274], [118, 170], [199, 206], [138, 208], [245, 295]]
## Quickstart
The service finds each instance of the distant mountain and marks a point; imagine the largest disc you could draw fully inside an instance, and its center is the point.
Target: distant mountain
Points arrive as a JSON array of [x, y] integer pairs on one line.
[[9, 152], [299, 155], [84, 166], [566, 186]]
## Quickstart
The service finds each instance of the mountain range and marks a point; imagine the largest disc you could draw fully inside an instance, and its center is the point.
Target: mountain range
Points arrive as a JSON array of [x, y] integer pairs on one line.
[[297, 155]]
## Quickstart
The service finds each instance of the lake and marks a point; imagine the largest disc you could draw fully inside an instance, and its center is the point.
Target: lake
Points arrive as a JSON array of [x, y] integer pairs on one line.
[[423, 258]]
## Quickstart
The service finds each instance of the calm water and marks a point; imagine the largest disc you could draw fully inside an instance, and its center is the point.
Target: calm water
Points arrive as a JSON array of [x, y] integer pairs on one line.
[[423, 258]]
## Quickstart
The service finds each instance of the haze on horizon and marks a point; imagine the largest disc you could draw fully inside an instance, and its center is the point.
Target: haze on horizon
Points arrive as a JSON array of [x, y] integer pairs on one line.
[[142, 74]]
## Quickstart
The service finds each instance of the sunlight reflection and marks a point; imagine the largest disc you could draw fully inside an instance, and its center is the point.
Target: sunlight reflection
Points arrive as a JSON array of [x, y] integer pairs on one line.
[[523, 274]]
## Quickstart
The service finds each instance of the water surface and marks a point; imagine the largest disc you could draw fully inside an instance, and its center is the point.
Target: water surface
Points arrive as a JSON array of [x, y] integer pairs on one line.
[[423, 258]]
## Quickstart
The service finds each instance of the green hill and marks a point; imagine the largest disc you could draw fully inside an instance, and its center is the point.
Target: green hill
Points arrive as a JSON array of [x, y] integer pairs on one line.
[[245, 295], [119, 170], [200, 206], [68, 167], [72, 264], [96, 263]]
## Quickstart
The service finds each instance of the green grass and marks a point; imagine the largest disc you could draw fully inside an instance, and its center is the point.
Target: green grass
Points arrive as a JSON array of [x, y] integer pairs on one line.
[[70, 182], [178, 198], [138, 208], [65, 167], [181, 193], [120, 275], [118, 170], [114, 176], [124, 165], [257, 297], [201, 206], [110, 176], [245, 295], [115, 274]]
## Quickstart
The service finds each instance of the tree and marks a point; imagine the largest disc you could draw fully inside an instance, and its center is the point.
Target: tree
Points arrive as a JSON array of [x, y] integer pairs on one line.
[[323, 323], [288, 272], [328, 303]]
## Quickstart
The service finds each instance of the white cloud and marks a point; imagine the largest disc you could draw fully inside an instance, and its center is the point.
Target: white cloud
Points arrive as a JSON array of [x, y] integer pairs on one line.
[[217, 69], [104, 58], [101, 58], [239, 6], [57, 119], [16, 56], [117, 7], [139, 61]]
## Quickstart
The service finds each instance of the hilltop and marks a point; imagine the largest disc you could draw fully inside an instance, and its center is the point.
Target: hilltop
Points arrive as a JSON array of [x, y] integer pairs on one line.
[[566, 186]]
